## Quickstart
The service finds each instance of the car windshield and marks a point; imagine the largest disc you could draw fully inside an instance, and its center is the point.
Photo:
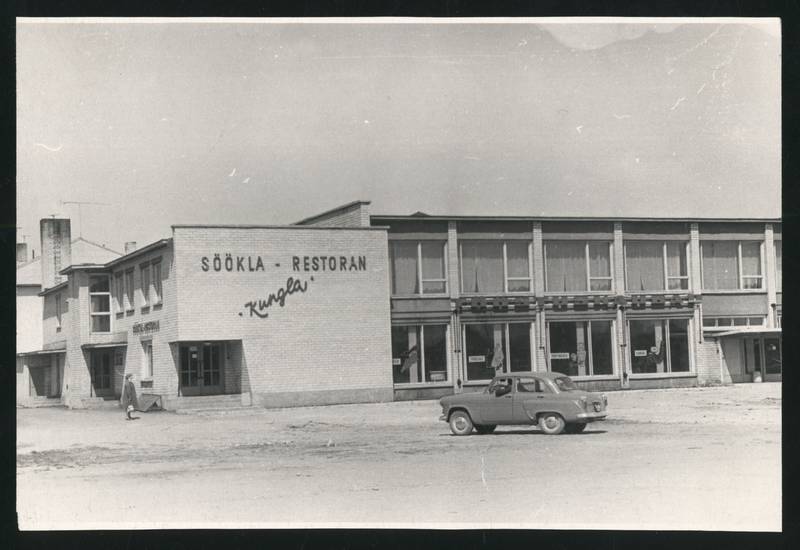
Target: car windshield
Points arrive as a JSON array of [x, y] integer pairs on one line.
[[565, 383]]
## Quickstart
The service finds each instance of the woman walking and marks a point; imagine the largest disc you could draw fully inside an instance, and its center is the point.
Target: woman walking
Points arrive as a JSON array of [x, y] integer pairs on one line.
[[129, 401]]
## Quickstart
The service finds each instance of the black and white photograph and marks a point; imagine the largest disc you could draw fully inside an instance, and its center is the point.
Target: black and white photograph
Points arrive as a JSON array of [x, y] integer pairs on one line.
[[398, 273]]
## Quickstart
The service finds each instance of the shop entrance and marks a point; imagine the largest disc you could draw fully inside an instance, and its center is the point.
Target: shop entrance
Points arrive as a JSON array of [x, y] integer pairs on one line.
[[201, 369], [764, 354], [101, 370]]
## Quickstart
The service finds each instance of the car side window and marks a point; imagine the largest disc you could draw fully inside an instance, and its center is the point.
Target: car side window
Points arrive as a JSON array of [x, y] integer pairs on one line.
[[528, 385], [502, 388]]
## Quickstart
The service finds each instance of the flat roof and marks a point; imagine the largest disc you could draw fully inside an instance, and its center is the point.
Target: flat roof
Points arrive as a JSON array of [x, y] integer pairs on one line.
[[294, 227], [421, 216], [331, 211], [143, 250]]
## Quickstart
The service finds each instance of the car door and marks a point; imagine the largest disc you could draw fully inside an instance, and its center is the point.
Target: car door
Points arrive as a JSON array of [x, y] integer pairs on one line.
[[534, 395], [499, 406]]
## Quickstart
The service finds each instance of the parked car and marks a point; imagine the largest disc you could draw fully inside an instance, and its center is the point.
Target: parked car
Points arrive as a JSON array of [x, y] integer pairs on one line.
[[550, 400]]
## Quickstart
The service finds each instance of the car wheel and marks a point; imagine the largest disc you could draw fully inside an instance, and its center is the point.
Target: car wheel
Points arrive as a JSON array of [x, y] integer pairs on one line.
[[576, 428], [485, 428], [551, 423], [460, 423]]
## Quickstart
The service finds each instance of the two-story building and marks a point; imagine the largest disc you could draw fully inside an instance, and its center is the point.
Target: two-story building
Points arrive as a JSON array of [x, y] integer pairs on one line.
[[347, 307]]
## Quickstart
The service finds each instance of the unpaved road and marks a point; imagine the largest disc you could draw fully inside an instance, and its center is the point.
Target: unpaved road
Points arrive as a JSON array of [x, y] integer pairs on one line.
[[705, 458]]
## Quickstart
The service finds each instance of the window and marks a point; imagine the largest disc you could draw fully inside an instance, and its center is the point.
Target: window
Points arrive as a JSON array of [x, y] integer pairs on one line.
[[147, 359], [659, 346], [778, 267], [144, 278], [119, 292], [156, 265], [495, 266], [201, 366], [577, 266], [581, 348], [129, 304], [731, 265], [656, 265], [408, 365], [727, 322], [58, 312], [497, 348], [100, 303], [418, 261]]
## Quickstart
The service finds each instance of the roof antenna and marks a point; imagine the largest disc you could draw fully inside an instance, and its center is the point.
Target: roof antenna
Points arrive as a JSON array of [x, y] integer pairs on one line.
[[80, 204]]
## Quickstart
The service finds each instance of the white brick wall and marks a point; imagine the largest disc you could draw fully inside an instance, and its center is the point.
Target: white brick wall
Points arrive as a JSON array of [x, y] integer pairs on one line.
[[334, 336]]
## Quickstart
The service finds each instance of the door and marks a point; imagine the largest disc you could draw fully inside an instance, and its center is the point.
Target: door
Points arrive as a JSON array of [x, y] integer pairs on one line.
[[100, 369], [201, 369], [773, 359], [532, 397], [498, 407]]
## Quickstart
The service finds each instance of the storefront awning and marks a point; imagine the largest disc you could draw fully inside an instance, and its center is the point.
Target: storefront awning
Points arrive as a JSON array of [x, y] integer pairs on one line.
[[744, 331], [104, 345], [41, 352]]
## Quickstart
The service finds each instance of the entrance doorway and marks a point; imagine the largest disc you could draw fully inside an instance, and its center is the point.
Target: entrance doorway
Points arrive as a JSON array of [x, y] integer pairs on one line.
[[101, 363], [764, 354], [201, 369]]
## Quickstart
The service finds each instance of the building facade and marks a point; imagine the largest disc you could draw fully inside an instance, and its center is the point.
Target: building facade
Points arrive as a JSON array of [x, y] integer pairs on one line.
[[347, 307]]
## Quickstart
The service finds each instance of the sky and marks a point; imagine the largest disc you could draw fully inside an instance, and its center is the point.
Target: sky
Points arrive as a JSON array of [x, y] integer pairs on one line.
[[265, 122]]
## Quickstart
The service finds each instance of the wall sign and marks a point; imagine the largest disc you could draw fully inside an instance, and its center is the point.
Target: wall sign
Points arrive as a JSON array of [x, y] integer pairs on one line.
[[150, 326], [476, 359], [559, 355], [640, 353]]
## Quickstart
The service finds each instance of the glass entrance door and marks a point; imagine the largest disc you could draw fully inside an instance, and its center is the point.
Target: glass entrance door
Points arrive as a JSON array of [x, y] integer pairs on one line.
[[773, 359], [201, 369], [102, 381]]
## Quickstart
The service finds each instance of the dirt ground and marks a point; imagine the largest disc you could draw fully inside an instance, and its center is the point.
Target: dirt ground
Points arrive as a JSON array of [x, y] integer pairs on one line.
[[701, 458]]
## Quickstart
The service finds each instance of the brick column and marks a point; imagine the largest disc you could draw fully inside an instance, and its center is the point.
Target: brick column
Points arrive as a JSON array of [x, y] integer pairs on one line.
[[538, 259], [619, 259], [696, 278], [769, 274]]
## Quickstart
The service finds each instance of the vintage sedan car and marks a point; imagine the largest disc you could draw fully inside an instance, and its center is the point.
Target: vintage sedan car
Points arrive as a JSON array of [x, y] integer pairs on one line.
[[548, 399]]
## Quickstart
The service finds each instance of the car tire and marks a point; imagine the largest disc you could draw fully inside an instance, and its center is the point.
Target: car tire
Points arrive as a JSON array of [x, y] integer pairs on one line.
[[485, 428], [576, 428], [460, 423], [551, 423]]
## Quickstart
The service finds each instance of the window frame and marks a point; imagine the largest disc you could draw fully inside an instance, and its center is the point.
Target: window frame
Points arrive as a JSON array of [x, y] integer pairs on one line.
[[777, 246], [733, 325], [119, 292], [589, 277], [740, 275], [93, 314], [155, 280], [664, 263], [668, 349], [507, 354], [448, 381], [505, 277], [130, 290], [614, 375], [147, 360], [145, 277], [421, 281]]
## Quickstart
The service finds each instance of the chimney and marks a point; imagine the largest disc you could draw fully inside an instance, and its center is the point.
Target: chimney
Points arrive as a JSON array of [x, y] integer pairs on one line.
[[22, 253], [130, 246], [56, 249]]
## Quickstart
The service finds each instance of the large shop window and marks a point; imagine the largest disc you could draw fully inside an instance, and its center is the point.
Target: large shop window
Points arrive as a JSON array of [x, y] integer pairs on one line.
[[659, 346], [778, 267], [100, 303], [731, 265], [201, 365], [418, 261], [495, 266], [577, 266], [654, 265], [411, 366], [497, 348], [581, 348]]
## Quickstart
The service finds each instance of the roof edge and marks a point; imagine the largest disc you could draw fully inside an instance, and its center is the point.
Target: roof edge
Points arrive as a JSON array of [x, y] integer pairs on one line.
[[352, 204]]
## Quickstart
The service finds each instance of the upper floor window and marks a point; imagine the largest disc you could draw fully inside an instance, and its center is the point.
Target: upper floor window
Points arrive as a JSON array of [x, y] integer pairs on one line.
[[129, 303], [577, 266], [656, 265], [58, 312], [156, 266], [495, 266], [778, 267], [418, 267], [144, 278], [100, 303], [119, 292], [731, 265]]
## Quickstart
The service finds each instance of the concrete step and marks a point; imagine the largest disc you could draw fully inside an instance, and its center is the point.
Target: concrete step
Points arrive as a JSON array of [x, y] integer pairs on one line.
[[201, 403]]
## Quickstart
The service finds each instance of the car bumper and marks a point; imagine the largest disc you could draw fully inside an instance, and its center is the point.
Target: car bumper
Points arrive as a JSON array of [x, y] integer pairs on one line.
[[592, 416]]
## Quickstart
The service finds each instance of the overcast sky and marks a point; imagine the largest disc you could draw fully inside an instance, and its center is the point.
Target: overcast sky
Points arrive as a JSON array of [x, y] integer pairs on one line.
[[269, 123]]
